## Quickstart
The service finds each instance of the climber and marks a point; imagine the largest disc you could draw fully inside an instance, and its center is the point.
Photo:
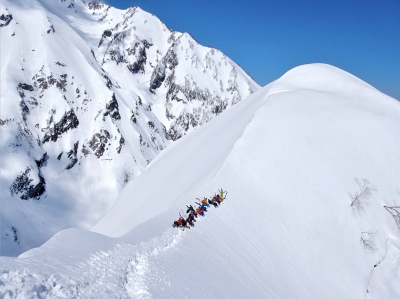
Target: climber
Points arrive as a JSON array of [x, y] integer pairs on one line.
[[192, 215], [191, 209], [213, 202], [204, 202], [203, 207], [190, 219], [222, 194], [200, 211], [217, 199], [184, 223], [178, 223]]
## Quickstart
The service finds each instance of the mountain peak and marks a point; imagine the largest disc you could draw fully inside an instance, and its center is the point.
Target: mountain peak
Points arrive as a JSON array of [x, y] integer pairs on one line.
[[100, 91], [322, 77]]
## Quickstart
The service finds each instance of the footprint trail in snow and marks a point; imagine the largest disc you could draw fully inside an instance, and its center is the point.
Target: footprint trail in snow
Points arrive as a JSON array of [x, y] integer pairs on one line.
[[126, 271]]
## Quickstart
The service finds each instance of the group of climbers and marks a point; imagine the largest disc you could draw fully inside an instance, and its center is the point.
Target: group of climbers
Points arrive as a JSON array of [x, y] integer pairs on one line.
[[203, 204]]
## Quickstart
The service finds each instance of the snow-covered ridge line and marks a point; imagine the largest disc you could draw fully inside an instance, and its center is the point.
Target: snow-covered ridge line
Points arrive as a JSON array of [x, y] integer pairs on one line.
[[288, 228]]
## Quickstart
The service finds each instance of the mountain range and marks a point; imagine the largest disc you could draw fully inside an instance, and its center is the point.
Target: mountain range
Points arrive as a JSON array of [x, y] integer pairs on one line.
[[90, 96]]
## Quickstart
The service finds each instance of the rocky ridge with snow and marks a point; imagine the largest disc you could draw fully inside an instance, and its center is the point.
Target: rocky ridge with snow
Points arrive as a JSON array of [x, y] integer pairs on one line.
[[90, 95]]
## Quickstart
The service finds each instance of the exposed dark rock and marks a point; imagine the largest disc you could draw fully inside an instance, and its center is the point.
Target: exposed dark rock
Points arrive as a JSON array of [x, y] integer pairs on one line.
[[180, 126], [67, 122], [21, 87], [22, 184], [61, 64], [112, 109], [217, 108], [59, 156], [24, 108], [72, 155], [96, 5], [36, 191], [64, 79], [97, 144], [42, 161], [32, 101], [14, 230], [169, 61], [25, 86], [5, 20], [94, 56], [107, 134], [142, 142], [42, 81], [85, 151], [106, 34], [139, 50], [157, 78], [105, 14], [121, 143], [108, 81], [211, 106], [168, 114]]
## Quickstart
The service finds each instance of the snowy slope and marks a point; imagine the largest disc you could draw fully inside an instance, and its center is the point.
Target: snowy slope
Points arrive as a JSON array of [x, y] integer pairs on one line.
[[76, 124], [288, 156]]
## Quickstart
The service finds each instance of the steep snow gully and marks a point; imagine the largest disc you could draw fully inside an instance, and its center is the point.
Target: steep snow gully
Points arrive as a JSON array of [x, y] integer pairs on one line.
[[288, 155]]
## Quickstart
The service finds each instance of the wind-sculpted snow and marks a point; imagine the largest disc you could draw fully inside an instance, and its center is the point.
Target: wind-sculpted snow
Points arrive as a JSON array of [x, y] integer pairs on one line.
[[78, 82]]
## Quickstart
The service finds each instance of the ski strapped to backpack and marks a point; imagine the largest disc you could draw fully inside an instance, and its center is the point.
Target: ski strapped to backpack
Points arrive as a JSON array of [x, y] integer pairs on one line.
[[203, 204]]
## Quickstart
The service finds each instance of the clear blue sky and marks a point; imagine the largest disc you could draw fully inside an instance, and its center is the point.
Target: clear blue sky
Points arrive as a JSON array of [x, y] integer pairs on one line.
[[268, 38]]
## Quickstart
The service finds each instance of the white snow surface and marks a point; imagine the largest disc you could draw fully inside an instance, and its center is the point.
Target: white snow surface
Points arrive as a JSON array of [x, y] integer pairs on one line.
[[288, 156]]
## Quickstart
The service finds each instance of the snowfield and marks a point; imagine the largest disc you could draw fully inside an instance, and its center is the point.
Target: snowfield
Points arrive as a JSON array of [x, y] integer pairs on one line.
[[290, 156]]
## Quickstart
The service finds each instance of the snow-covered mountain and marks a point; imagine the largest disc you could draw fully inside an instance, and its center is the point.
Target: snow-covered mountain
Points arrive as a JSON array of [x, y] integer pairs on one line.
[[311, 163], [90, 95]]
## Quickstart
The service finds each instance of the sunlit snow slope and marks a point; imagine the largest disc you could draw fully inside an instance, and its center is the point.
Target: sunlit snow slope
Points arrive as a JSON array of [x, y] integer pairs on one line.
[[289, 156]]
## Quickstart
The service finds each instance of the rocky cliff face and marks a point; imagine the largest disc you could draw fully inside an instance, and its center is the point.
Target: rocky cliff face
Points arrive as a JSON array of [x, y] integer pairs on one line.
[[90, 96], [193, 83]]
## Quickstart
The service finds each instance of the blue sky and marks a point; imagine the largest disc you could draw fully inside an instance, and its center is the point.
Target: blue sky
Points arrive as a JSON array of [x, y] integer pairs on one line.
[[268, 38]]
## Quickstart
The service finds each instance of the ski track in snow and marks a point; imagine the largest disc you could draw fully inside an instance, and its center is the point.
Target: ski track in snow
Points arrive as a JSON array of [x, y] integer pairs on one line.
[[124, 272]]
